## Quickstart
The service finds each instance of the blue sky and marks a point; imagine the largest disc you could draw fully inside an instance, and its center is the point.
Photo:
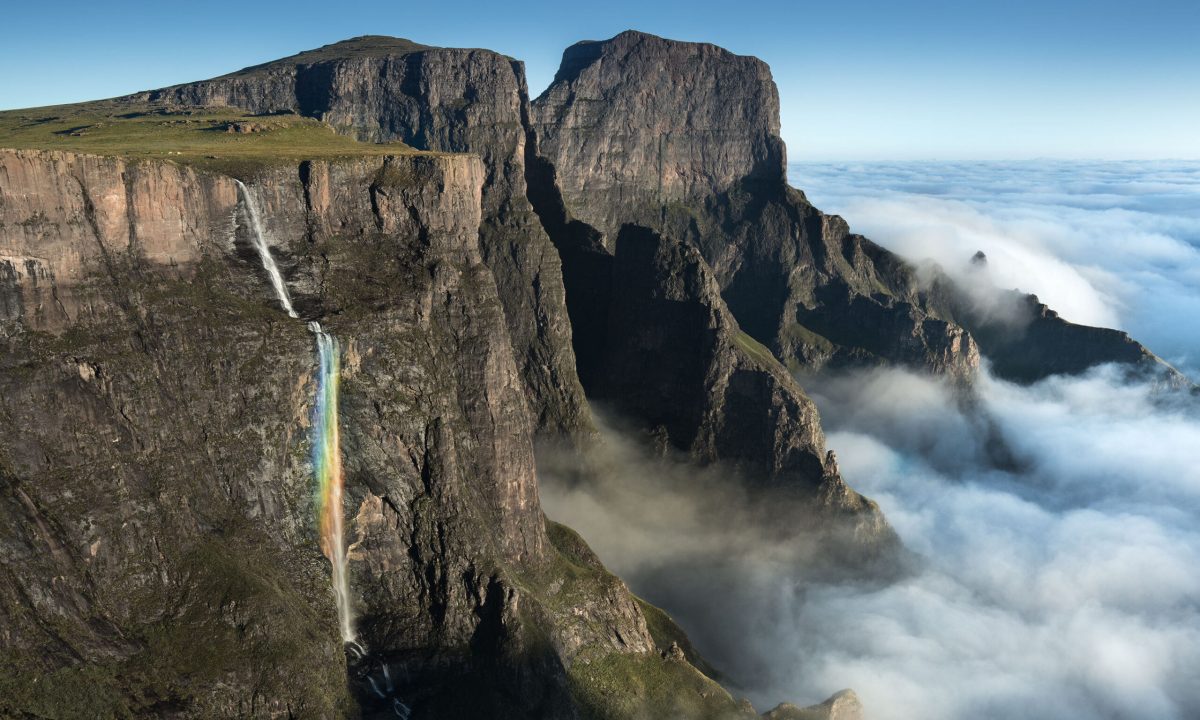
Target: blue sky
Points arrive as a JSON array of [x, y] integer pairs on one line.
[[865, 79]]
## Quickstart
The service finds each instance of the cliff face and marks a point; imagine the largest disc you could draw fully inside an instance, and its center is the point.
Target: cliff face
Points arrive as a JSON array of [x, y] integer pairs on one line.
[[683, 138], [446, 100], [637, 123], [160, 552], [722, 397]]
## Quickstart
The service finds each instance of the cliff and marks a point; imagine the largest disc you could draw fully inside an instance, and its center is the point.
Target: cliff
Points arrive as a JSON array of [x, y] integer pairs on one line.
[[483, 261], [683, 138], [159, 547], [448, 100], [638, 123]]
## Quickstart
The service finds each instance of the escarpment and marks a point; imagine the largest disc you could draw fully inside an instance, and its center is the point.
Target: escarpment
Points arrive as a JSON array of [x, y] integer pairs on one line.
[[683, 138], [159, 544], [630, 233]]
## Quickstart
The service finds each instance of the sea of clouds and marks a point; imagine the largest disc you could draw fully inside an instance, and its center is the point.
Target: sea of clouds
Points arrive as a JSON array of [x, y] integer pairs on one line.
[[1056, 578], [1115, 244]]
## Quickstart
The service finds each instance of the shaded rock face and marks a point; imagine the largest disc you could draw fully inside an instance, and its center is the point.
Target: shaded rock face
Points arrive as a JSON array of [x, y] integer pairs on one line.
[[159, 545], [447, 100], [723, 396], [1031, 342], [672, 360], [683, 138]]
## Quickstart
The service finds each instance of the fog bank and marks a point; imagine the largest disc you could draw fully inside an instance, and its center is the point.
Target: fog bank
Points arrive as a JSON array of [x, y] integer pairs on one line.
[[1062, 584]]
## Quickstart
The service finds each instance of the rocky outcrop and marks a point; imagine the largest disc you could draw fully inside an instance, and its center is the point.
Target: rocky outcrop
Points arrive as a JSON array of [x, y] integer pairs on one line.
[[677, 362], [1028, 341], [683, 138], [447, 100], [159, 551], [843, 705]]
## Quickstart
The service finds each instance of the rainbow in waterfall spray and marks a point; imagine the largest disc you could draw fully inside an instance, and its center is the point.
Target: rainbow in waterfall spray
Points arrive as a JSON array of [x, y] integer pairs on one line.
[[327, 465], [326, 442]]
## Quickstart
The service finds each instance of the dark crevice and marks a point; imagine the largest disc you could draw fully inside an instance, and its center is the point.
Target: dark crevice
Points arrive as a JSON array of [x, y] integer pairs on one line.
[[586, 264]]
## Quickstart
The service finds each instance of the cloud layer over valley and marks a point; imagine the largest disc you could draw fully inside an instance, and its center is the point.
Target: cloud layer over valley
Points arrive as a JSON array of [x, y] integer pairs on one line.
[[1055, 527], [1115, 244]]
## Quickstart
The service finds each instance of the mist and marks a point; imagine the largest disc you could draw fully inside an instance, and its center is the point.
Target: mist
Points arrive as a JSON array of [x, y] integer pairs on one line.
[[1114, 244], [1054, 528], [1061, 585]]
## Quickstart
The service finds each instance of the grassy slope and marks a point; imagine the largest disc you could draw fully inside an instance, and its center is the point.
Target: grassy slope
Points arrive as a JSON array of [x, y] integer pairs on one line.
[[623, 686], [366, 46]]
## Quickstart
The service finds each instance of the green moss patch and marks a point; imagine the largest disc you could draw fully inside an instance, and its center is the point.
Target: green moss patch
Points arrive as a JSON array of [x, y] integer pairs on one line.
[[620, 686], [757, 351]]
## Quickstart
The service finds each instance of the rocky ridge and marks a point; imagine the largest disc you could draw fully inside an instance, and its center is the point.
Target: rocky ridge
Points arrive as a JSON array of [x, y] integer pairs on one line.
[[683, 138]]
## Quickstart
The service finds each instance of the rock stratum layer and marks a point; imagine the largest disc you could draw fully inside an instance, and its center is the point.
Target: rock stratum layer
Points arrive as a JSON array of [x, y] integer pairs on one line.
[[629, 234]]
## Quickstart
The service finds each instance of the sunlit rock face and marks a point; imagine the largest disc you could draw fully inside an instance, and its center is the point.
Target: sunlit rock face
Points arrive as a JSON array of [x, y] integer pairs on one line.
[[636, 123], [156, 438]]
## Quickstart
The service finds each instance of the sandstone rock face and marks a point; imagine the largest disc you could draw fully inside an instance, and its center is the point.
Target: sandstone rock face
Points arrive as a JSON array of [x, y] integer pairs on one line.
[[63, 216], [159, 546], [448, 100]]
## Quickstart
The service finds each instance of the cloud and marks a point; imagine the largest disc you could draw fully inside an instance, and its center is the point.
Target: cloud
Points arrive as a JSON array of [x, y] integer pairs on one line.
[[1063, 588], [1115, 244]]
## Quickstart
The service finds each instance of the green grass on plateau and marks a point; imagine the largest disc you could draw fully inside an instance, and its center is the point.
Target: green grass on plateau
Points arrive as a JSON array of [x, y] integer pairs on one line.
[[196, 136]]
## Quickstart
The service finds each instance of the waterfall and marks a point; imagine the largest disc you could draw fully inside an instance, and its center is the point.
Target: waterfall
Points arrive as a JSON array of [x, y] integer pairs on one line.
[[327, 464], [326, 444], [264, 252]]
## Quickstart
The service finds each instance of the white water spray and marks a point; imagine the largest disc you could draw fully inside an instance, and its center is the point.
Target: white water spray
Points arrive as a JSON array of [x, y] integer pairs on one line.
[[264, 252]]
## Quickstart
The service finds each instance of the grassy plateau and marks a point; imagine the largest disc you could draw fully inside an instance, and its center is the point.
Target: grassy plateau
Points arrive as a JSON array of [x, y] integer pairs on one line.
[[215, 138]]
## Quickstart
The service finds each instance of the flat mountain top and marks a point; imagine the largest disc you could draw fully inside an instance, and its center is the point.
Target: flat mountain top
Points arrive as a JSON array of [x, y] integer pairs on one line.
[[365, 46], [218, 138]]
